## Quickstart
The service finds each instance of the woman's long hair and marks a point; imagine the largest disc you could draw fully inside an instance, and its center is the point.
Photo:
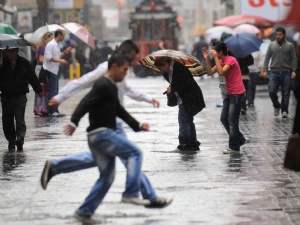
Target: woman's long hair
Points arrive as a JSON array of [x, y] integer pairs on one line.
[[45, 39]]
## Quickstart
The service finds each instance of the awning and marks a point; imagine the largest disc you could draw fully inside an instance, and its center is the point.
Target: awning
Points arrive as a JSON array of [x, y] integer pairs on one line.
[[7, 9]]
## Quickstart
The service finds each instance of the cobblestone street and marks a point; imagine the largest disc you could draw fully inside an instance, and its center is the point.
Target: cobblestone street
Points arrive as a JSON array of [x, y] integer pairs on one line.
[[208, 187]]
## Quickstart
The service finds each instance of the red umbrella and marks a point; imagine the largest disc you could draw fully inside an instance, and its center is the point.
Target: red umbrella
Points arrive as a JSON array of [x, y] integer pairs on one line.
[[294, 16], [80, 32], [233, 21]]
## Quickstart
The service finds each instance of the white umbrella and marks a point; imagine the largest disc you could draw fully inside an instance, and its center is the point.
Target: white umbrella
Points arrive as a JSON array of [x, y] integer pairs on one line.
[[219, 30], [246, 28], [37, 35], [81, 32]]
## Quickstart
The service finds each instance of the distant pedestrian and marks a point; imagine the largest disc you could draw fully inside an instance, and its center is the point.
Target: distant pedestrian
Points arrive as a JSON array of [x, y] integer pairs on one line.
[[255, 71], [197, 51], [228, 67], [52, 59], [244, 63], [105, 51], [15, 74], [40, 107], [189, 99], [103, 107], [282, 68]]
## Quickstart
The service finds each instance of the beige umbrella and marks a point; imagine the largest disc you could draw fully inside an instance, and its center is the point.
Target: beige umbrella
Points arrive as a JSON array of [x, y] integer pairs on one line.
[[189, 61]]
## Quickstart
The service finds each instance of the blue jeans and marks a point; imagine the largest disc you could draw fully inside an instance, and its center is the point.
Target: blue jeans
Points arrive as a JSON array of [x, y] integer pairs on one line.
[[86, 160], [230, 115], [105, 146], [187, 130], [252, 87], [282, 80], [53, 90]]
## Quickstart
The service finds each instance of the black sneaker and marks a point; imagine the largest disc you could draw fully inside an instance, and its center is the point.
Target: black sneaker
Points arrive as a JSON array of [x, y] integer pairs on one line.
[[195, 146], [19, 144], [85, 219], [160, 202], [184, 147], [11, 146], [46, 175]]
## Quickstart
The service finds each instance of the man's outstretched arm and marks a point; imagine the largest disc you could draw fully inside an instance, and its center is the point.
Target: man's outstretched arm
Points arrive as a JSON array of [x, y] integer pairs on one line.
[[74, 86]]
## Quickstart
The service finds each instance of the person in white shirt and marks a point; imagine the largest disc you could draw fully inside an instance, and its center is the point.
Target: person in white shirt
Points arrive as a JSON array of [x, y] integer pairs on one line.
[[85, 160], [52, 59], [255, 71]]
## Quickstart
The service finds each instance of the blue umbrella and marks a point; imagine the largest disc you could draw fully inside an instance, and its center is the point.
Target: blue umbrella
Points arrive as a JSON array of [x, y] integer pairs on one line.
[[243, 44]]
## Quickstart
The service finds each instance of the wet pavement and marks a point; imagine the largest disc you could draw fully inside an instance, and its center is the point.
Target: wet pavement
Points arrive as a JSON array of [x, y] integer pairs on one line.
[[208, 187]]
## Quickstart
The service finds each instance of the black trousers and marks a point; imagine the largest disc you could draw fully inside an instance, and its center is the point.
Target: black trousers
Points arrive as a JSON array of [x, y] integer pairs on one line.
[[13, 117]]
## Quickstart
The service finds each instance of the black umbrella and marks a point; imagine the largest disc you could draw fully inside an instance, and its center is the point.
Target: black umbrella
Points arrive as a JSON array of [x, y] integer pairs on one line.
[[12, 41]]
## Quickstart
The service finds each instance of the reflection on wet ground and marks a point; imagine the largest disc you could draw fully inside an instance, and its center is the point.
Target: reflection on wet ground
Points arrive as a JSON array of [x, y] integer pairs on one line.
[[11, 160], [208, 187]]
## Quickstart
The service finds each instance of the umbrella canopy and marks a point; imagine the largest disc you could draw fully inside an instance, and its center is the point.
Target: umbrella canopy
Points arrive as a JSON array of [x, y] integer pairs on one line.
[[246, 28], [12, 41], [219, 29], [233, 21], [7, 29], [81, 32], [242, 45], [191, 62], [37, 35]]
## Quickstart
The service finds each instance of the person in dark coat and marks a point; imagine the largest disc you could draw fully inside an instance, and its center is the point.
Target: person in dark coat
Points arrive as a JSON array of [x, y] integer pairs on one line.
[[15, 74], [189, 100]]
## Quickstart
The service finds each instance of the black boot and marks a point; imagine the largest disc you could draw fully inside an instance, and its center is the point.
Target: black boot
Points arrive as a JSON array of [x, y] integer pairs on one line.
[[195, 146], [184, 144], [19, 144], [11, 146]]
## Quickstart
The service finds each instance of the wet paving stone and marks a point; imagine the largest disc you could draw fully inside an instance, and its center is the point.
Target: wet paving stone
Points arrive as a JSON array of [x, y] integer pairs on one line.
[[208, 187]]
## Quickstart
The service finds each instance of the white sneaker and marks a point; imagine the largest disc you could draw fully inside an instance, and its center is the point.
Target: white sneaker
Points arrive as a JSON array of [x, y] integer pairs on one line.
[[56, 114], [229, 151], [135, 201], [284, 115]]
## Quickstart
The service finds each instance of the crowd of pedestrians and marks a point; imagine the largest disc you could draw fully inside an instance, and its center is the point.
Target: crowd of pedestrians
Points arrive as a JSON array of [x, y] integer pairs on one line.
[[104, 103]]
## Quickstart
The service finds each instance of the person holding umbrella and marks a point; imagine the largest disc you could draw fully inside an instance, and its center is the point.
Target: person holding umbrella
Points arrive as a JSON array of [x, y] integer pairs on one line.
[[40, 107], [228, 67], [189, 99], [15, 74]]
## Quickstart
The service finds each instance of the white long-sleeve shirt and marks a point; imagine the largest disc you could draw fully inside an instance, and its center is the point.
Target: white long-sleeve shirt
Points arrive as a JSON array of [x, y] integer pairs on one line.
[[52, 50], [88, 80]]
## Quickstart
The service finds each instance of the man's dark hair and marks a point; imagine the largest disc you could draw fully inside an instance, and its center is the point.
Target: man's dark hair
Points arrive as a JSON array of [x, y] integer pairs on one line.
[[117, 58], [280, 29], [58, 32], [128, 46], [162, 60]]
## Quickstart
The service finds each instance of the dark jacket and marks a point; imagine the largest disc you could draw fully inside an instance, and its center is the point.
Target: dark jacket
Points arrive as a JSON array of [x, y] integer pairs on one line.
[[102, 104], [187, 88], [15, 82], [244, 63]]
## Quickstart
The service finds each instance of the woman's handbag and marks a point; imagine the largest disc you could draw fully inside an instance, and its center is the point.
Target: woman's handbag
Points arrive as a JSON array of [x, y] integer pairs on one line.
[[44, 76], [292, 156]]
